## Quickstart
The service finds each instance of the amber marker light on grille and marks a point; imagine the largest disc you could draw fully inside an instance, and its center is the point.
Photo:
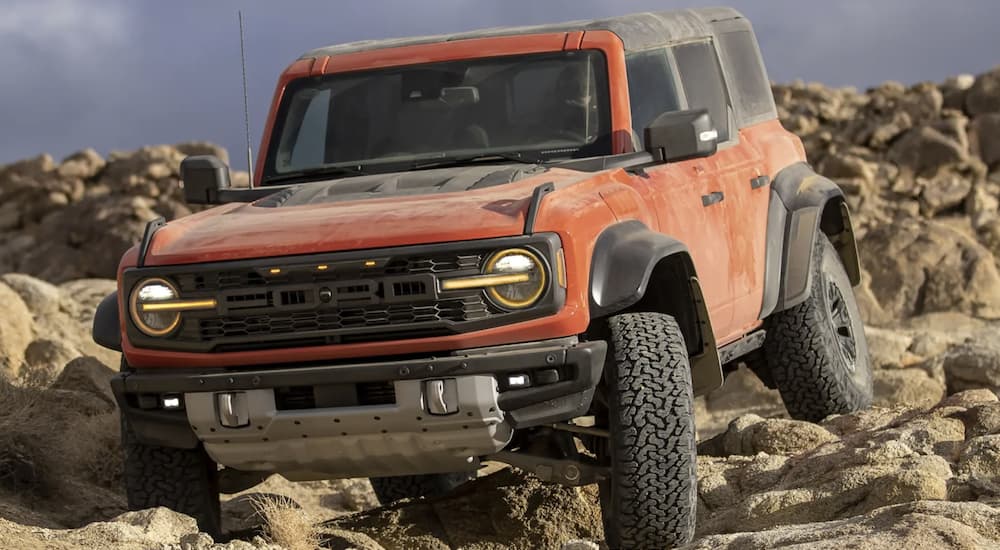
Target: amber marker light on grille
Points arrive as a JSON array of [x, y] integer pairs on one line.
[[370, 263], [179, 305], [483, 281], [322, 267], [274, 270]]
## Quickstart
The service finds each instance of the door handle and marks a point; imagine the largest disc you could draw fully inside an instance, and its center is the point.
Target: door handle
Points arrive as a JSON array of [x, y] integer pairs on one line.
[[759, 181], [712, 198]]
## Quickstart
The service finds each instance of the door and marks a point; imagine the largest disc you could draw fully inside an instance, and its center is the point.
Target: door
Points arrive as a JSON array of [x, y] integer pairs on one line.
[[688, 196]]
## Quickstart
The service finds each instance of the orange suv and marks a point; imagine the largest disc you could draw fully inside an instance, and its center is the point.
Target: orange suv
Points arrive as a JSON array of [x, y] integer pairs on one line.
[[526, 245]]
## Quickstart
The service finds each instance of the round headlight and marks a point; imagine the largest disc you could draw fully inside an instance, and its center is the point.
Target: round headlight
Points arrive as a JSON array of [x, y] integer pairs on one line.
[[150, 320], [517, 261]]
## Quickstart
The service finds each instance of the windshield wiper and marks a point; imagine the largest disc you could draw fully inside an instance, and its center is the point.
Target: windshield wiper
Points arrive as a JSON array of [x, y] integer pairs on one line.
[[312, 174], [476, 159]]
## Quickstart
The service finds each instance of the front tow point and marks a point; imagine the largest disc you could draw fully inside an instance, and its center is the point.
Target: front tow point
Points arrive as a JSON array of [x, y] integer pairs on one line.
[[233, 409], [441, 396]]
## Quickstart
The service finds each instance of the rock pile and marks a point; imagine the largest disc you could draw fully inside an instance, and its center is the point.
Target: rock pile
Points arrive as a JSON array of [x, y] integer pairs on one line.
[[74, 219], [921, 167]]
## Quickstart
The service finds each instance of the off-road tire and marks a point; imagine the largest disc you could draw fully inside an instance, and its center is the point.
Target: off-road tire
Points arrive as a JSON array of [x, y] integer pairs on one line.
[[391, 489], [184, 480], [651, 496], [807, 347]]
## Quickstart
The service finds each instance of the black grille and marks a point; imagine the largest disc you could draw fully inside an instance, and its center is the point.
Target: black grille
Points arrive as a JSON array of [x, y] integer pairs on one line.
[[335, 298], [465, 309]]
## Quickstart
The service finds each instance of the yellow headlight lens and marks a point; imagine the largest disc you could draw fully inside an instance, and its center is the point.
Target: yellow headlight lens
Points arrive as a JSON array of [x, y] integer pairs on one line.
[[154, 321], [531, 281]]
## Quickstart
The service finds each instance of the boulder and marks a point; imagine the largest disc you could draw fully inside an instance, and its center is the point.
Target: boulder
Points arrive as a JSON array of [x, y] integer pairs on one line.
[[925, 150], [81, 165], [985, 137], [43, 299], [919, 267], [984, 94], [89, 375], [16, 330], [973, 364], [913, 387]]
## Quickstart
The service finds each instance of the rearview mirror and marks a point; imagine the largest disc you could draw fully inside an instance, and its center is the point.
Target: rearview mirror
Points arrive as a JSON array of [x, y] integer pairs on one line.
[[204, 176], [681, 135]]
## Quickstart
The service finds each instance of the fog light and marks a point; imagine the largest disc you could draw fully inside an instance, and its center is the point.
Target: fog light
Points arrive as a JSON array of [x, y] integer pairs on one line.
[[515, 381], [171, 402]]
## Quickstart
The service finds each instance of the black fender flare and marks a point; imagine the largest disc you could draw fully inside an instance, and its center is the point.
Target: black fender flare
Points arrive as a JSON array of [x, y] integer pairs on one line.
[[636, 269], [802, 204], [106, 330]]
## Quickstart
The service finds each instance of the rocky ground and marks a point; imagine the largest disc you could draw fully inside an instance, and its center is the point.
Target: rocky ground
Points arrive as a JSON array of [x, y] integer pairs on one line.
[[921, 167]]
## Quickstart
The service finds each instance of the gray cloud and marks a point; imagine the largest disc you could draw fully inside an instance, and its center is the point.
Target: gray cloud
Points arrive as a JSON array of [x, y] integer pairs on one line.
[[112, 74]]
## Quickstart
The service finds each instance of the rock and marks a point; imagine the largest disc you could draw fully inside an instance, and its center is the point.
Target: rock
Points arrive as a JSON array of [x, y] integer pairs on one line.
[[943, 193], [82, 165], [920, 267], [925, 150], [954, 90], [48, 355], [87, 374], [912, 525], [506, 509], [16, 329], [751, 434], [973, 364], [912, 387], [196, 541], [984, 95], [985, 136], [43, 299]]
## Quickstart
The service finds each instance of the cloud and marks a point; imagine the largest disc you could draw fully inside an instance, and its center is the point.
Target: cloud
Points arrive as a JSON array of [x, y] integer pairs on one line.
[[62, 28]]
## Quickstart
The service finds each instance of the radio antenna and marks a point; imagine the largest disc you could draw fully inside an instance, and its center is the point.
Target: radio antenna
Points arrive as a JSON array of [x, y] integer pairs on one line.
[[246, 106]]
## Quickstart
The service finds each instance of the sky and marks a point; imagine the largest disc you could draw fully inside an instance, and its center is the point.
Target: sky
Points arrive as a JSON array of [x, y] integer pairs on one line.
[[119, 74]]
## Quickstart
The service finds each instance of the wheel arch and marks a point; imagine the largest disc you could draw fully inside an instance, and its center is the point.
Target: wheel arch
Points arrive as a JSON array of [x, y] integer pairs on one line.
[[636, 269], [803, 203]]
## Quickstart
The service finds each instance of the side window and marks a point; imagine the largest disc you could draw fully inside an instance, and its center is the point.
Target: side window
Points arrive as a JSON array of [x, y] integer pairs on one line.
[[310, 142], [651, 88], [703, 83], [751, 90]]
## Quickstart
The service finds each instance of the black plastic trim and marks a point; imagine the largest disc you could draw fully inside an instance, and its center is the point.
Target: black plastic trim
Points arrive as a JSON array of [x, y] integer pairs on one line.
[[623, 260], [536, 201], [759, 181], [106, 330], [714, 197], [804, 194], [147, 238], [560, 401], [741, 347]]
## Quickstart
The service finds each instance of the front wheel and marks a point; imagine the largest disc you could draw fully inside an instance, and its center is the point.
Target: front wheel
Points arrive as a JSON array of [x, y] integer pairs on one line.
[[651, 496], [184, 480], [816, 351]]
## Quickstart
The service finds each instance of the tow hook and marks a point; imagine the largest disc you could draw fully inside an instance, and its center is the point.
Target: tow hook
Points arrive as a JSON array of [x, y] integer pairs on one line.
[[441, 396], [233, 409]]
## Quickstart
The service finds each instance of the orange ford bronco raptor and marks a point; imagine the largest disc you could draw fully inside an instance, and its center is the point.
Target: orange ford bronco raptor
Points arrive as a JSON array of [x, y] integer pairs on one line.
[[526, 245]]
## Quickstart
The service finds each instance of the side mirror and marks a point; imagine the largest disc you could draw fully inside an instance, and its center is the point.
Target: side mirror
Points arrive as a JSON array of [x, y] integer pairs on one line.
[[681, 135], [204, 176]]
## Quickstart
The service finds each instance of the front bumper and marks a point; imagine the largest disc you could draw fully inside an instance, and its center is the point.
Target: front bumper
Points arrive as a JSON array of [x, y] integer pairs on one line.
[[360, 440]]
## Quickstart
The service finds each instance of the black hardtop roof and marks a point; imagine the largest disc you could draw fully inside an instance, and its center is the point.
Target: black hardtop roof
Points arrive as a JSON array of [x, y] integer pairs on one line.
[[639, 31]]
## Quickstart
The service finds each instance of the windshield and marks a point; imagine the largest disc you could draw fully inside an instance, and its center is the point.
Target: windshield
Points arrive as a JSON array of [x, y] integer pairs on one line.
[[542, 106]]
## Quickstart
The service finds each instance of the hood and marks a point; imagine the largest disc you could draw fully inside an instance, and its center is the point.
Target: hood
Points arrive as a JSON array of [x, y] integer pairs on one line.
[[376, 211]]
